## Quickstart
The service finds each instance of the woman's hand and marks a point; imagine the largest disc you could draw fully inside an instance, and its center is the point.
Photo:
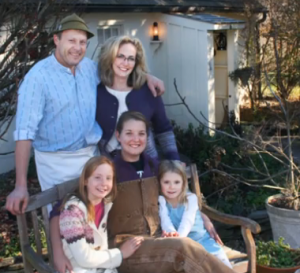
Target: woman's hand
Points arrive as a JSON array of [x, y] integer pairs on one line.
[[211, 229], [156, 85], [130, 246]]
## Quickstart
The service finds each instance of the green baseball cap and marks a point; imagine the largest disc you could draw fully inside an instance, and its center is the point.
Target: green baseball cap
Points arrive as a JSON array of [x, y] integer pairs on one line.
[[73, 22]]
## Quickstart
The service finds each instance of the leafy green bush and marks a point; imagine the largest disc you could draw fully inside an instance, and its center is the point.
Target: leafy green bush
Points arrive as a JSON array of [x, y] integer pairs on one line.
[[278, 255], [198, 145], [12, 246]]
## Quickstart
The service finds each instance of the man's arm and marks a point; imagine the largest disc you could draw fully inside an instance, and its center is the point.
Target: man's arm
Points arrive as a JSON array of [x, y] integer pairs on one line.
[[156, 85], [19, 196], [31, 102], [61, 262]]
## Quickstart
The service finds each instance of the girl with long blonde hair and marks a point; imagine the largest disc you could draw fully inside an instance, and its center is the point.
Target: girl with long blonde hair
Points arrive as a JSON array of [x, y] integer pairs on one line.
[[179, 210]]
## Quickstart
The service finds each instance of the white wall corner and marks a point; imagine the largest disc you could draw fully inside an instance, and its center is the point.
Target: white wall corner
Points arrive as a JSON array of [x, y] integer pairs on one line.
[[211, 81], [7, 147], [233, 60]]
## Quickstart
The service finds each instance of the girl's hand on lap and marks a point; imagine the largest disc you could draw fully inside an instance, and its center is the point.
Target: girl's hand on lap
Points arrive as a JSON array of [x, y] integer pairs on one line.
[[130, 246], [169, 234], [164, 234]]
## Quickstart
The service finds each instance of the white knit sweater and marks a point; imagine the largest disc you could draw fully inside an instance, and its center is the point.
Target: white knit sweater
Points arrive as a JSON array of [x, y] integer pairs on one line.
[[83, 243]]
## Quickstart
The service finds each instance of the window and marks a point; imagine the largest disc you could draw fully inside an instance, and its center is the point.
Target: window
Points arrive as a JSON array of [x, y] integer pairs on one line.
[[105, 32]]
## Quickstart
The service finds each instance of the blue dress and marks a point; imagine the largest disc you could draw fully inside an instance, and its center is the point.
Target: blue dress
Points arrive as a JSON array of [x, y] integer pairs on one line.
[[198, 233]]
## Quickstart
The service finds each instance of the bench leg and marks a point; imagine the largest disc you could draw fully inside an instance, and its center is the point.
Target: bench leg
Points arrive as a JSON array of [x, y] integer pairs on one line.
[[24, 240]]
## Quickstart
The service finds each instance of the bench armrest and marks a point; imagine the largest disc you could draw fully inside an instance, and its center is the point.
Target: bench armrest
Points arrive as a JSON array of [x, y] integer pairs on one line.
[[231, 219]]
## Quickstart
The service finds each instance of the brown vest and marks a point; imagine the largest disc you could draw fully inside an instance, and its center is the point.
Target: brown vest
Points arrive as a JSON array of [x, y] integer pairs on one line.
[[134, 211]]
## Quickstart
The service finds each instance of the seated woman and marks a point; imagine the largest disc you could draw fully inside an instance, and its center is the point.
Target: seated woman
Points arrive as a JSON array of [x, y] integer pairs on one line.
[[135, 210], [135, 213], [123, 87]]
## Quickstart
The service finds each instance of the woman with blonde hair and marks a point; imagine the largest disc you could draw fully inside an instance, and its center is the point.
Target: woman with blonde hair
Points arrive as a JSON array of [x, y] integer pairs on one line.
[[124, 87]]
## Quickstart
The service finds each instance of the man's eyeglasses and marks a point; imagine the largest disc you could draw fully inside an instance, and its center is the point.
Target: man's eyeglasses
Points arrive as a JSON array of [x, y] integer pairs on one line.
[[130, 59]]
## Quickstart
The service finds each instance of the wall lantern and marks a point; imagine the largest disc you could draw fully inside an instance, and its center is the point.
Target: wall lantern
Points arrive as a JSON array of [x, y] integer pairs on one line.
[[221, 41], [155, 32]]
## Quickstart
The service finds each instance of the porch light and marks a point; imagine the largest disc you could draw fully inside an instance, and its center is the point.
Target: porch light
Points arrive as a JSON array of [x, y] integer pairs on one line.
[[155, 32], [221, 41]]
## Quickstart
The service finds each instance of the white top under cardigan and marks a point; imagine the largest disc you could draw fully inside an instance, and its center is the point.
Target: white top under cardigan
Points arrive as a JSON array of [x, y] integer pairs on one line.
[[188, 218], [113, 143], [84, 244]]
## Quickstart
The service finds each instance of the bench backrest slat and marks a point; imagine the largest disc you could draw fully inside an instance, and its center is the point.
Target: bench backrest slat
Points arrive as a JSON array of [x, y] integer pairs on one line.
[[47, 232], [67, 187], [24, 239], [51, 195], [37, 234], [195, 185]]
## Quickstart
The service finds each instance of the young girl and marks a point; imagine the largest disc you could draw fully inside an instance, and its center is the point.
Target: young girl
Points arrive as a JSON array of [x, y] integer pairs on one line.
[[83, 220], [179, 210]]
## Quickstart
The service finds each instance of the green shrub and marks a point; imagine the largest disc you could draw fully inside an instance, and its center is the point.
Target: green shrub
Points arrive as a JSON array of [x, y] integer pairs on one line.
[[278, 255], [11, 242]]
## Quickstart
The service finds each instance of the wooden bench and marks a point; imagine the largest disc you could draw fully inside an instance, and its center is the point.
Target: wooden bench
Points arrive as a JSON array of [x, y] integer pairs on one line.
[[34, 260]]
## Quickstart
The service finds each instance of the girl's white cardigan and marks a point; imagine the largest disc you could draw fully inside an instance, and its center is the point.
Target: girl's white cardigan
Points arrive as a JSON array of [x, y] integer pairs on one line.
[[85, 244]]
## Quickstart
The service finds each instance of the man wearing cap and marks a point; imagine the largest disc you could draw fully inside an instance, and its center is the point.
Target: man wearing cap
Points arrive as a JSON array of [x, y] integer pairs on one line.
[[56, 113]]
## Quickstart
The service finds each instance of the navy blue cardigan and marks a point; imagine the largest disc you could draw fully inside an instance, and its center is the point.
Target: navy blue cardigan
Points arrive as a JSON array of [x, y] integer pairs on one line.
[[151, 107]]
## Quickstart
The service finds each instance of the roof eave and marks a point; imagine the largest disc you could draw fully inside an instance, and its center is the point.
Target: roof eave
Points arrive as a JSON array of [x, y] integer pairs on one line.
[[166, 9]]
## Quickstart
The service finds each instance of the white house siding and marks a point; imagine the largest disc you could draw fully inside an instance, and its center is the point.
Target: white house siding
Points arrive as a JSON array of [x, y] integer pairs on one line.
[[188, 62], [7, 145], [183, 54]]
